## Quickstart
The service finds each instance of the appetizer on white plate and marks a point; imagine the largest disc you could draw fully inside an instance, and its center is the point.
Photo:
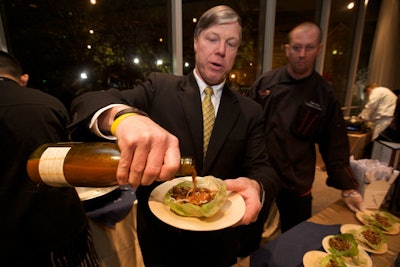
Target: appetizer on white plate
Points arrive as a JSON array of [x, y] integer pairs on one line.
[[200, 218], [202, 197], [346, 247], [316, 258], [382, 220], [370, 238]]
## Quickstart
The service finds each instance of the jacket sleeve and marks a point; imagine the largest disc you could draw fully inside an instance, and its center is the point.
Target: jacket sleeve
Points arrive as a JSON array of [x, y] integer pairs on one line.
[[335, 151]]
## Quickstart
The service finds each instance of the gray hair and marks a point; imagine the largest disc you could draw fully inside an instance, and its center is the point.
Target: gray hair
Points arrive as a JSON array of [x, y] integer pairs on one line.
[[216, 16]]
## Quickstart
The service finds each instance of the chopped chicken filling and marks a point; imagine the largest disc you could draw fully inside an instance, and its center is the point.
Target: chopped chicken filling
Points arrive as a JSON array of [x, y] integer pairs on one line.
[[187, 195]]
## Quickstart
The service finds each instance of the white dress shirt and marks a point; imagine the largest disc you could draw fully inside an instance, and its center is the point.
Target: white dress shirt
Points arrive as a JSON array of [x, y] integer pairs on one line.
[[216, 97]]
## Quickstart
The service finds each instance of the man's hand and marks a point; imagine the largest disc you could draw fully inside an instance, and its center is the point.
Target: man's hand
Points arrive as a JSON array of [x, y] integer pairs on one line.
[[353, 200], [148, 152], [250, 191]]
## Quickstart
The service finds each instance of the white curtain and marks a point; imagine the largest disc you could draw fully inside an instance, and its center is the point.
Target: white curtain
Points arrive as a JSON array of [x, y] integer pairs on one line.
[[384, 65]]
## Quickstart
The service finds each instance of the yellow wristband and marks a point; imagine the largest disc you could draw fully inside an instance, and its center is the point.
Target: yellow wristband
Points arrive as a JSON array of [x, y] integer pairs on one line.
[[115, 124]]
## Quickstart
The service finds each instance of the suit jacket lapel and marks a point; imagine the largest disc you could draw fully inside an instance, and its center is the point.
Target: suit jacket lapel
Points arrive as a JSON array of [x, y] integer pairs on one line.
[[227, 115], [191, 104]]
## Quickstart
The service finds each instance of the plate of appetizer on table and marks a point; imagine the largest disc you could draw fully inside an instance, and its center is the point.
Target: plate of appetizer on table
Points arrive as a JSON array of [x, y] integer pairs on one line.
[[384, 221], [316, 258], [346, 247], [370, 238]]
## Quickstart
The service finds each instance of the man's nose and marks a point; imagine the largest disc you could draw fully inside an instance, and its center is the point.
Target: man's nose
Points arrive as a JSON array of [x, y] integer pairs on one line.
[[221, 48]]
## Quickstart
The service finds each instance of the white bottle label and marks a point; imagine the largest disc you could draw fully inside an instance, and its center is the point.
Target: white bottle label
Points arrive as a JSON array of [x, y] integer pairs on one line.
[[51, 166]]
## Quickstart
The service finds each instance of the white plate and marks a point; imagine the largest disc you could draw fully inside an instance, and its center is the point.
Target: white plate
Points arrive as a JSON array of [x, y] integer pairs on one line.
[[87, 193], [313, 258], [230, 213], [359, 214], [348, 260], [351, 228]]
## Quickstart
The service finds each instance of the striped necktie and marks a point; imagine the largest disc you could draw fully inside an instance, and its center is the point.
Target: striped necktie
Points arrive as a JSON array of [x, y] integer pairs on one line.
[[208, 117]]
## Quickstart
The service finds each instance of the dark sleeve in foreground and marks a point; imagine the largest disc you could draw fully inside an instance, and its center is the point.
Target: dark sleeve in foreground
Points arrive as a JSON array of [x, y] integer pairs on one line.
[[36, 213]]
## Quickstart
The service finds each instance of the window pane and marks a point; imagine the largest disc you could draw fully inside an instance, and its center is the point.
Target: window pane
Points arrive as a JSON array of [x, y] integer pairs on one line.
[[365, 53], [115, 42], [55, 44], [339, 46]]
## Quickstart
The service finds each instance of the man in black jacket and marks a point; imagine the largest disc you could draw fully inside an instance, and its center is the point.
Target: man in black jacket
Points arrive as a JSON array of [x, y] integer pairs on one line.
[[41, 226], [236, 150], [301, 110]]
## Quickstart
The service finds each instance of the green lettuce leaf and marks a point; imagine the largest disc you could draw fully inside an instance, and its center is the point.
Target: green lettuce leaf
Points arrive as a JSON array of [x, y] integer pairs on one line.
[[204, 210], [352, 249]]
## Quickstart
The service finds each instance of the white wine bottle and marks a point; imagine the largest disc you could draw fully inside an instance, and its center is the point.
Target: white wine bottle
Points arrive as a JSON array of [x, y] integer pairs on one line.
[[82, 164]]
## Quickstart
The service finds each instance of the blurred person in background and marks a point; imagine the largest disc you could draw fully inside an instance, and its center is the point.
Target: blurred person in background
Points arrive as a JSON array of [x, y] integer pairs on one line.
[[301, 110], [42, 226], [379, 108]]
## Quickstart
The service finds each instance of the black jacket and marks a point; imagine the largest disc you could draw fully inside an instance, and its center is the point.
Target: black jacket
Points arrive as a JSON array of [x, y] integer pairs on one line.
[[33, 218], [298, 115]]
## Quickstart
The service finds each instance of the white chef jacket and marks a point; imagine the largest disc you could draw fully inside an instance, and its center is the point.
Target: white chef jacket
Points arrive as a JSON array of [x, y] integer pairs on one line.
[[379, 109]]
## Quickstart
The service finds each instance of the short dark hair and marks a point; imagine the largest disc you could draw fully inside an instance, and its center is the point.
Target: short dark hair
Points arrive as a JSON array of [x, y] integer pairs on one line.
[[216, 16], [10, 65], [306, 24]]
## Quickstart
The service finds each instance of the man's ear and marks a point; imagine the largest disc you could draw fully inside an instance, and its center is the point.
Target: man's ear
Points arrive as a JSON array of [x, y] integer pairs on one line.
[[24, 79]]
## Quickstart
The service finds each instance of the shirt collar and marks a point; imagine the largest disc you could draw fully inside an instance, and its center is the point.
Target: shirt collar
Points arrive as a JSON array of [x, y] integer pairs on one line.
[[202, 85]]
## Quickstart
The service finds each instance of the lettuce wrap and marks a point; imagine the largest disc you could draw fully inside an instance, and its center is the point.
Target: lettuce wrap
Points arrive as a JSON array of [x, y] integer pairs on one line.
[[372, 237], [343, 245], [331, 260], [214, 188], [382, 220]]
